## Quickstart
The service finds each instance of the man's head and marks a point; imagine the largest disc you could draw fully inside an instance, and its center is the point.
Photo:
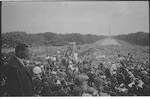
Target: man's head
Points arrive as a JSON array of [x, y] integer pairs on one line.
[[22, 51]]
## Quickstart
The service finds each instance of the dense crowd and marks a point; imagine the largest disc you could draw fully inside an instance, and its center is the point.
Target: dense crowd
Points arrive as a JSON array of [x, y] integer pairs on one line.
[[103, 71]]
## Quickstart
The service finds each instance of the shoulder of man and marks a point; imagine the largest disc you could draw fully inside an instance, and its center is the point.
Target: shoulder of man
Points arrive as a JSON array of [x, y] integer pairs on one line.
[[12, 62], [12, 65]]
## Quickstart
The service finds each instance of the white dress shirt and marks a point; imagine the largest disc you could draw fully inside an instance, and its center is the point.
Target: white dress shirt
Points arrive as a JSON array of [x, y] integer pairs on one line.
[[21, 61]]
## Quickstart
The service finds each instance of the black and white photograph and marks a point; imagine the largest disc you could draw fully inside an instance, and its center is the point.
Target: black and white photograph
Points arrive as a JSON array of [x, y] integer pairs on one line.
[[74, 48]]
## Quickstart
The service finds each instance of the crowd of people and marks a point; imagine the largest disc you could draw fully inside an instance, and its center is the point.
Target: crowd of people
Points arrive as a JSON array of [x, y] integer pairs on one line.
[[103, 71]]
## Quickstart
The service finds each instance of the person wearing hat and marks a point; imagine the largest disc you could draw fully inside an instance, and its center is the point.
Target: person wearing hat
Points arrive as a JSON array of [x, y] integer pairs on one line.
[[37, 80], [19, 81]]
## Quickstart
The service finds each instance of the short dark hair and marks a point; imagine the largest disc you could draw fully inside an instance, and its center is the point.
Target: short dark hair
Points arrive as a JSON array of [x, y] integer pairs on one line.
[[20, 47]]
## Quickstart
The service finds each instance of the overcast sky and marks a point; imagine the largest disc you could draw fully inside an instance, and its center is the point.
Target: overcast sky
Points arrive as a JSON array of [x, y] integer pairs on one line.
[[76, 17]]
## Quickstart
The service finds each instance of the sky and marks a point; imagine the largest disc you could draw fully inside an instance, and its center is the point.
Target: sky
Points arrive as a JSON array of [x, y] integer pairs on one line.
[[85, 17]]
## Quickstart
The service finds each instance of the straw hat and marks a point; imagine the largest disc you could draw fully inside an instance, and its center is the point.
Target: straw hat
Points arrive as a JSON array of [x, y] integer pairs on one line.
[[37, 70]]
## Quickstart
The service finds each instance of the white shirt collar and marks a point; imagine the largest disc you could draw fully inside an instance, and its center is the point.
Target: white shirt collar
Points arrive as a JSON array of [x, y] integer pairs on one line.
[[20, 60]]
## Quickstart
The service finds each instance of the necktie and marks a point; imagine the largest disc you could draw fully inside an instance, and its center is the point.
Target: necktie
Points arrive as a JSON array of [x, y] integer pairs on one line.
[[24, 63]]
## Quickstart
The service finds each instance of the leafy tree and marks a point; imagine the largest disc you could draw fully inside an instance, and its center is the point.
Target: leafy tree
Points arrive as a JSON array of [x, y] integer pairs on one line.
[[138, 38]]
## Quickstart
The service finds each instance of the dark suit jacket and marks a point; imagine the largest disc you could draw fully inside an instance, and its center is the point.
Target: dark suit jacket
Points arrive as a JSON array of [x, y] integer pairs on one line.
[[19, 81]]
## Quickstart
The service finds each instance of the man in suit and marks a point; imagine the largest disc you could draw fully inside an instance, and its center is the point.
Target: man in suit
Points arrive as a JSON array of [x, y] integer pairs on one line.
[[19, 81]]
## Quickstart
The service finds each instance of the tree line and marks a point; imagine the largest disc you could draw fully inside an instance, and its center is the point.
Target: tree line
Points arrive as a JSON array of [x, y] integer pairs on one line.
[[11, 39], [138, 38]]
